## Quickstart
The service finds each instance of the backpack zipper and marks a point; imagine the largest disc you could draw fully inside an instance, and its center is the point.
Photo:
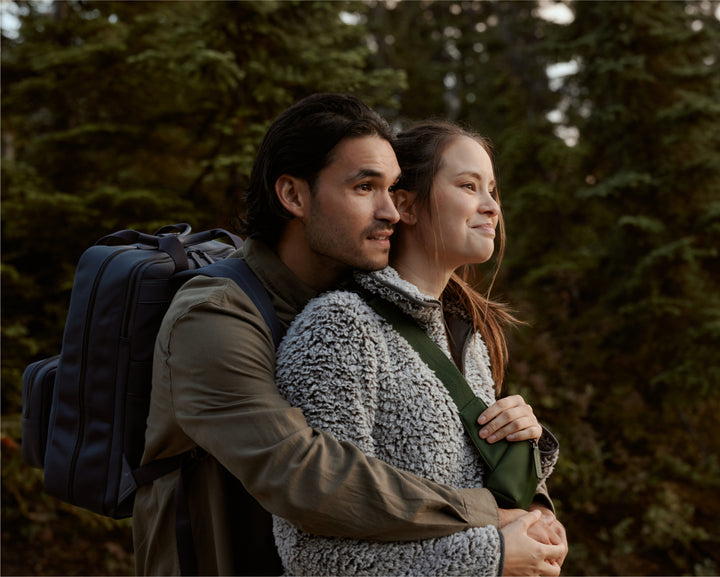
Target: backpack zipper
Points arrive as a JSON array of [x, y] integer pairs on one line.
[[31, 386], [83, 367], [130, 311]]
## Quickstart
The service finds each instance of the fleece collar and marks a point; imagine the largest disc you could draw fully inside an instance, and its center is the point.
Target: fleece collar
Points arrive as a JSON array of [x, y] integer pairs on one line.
[[387, 284]]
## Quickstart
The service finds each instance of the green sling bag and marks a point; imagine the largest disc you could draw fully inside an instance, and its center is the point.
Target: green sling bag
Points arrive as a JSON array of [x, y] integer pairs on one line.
[[512, 468]]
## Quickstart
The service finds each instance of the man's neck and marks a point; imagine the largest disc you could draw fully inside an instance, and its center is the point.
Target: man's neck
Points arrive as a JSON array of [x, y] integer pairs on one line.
[[293, 250]]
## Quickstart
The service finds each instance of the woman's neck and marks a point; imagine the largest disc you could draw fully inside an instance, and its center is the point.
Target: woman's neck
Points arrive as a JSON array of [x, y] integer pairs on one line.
[[421, 270]]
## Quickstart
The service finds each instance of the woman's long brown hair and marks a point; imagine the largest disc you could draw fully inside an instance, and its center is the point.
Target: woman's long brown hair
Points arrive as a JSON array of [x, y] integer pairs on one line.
[[419, 152]]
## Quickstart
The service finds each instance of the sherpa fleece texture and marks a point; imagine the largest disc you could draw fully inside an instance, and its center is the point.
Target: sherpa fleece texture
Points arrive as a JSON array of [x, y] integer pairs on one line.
[[354, 376]]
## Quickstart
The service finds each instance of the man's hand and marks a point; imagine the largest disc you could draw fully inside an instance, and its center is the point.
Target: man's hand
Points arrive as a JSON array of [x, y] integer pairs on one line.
[[507, 516], [549, 531], [510, 418], [525, 555]]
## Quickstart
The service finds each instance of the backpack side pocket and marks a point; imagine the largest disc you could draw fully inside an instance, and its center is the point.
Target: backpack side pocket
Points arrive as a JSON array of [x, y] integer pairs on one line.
[[37, 391]]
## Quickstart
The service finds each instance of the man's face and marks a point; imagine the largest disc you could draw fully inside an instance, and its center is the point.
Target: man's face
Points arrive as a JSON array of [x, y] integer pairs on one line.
[[352, 213]]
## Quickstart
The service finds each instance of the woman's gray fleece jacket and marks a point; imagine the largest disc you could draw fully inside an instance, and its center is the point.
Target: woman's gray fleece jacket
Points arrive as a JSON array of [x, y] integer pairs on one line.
[[354, 376]]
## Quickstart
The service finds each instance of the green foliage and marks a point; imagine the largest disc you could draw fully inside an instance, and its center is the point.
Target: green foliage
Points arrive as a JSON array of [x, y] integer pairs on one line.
[[628, 292], [137, 114], [134, 115], [43, 536]]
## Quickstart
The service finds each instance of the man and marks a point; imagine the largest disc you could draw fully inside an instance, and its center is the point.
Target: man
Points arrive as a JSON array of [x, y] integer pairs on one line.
[[318, 205]]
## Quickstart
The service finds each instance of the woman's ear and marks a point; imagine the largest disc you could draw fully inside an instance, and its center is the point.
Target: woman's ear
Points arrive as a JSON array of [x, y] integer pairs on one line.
[[405, 204], [293, 194]]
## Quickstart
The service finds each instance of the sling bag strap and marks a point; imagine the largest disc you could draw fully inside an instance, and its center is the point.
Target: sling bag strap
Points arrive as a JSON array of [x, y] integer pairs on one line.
[[467, 402], [469, 405]]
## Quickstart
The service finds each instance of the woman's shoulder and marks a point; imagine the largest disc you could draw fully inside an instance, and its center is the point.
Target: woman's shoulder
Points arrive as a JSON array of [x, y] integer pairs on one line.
[[338, 312], [337, 296], [333, 330], [341, 303]]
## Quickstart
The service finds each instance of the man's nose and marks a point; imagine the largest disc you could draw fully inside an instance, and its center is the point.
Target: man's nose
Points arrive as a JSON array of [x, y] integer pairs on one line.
[[386, 210]]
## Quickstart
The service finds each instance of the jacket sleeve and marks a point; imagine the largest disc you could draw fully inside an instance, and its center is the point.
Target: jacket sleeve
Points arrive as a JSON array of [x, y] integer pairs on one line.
[[549, 452], [220, 363], [332, 375]]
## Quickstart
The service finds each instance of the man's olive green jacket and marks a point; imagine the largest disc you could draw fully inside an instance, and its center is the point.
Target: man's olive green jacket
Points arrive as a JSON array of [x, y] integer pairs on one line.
[[214, 388]]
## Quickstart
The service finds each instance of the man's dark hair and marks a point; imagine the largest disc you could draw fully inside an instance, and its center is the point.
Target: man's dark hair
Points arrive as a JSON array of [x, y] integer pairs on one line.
[[300, 143]]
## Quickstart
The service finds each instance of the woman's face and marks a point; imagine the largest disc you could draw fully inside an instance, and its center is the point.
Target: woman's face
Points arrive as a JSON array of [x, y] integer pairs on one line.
[[463, 202]]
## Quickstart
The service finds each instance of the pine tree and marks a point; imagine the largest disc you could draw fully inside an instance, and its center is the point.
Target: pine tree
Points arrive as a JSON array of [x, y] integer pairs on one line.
[[136, 114], [633, 333], [484, 64]]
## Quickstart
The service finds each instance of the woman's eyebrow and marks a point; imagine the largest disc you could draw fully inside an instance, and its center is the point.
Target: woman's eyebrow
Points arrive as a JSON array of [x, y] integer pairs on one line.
[[471, 173], [475, 175]]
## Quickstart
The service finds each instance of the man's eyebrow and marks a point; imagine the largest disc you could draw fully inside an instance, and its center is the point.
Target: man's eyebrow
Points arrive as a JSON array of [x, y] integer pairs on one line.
[[365, 173]]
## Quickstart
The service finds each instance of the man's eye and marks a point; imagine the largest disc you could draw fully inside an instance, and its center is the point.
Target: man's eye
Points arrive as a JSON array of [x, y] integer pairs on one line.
[[365, 186]]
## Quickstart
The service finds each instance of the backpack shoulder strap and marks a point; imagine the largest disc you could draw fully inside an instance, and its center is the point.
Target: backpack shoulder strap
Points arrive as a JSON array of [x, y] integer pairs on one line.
[[238, 270]]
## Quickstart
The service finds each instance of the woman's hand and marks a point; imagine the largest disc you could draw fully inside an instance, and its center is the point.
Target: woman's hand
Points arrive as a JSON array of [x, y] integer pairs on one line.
[[510, 418]]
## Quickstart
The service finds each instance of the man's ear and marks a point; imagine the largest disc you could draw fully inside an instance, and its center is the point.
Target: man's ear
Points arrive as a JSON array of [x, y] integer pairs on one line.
[[293, 193], [405, 204]]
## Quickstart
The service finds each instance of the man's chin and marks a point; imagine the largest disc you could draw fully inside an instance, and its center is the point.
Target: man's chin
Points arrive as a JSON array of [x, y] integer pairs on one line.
[[370, 266]]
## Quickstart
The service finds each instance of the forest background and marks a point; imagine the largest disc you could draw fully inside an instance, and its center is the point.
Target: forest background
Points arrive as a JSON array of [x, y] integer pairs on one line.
[[606, 126]]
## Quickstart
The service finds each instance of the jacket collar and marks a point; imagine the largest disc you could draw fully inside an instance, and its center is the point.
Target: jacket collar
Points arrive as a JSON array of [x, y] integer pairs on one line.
[[288, 293], [428, 311]]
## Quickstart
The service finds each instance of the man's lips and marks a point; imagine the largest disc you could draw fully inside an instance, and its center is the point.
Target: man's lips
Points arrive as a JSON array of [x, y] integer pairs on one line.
[[383, 235]]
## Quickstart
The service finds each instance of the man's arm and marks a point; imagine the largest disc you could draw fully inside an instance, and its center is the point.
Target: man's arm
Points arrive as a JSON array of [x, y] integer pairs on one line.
[[221, 362]]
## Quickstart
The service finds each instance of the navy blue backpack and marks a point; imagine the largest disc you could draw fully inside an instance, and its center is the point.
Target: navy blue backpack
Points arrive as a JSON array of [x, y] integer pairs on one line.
[[85, 410]]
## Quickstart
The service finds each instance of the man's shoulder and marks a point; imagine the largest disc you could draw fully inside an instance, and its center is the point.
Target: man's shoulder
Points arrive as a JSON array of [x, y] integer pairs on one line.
[[204, 290], [207, 300], [212, 314]]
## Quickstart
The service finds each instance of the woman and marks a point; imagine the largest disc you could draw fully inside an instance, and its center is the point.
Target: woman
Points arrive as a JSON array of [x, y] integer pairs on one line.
[[352, 374]]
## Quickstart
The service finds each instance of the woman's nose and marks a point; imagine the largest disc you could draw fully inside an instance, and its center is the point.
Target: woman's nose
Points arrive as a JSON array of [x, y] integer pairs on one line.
[[489, 205]]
